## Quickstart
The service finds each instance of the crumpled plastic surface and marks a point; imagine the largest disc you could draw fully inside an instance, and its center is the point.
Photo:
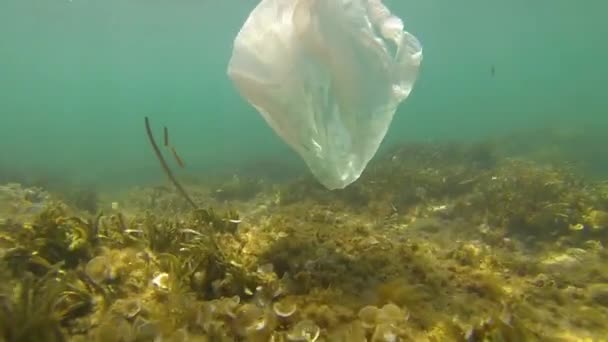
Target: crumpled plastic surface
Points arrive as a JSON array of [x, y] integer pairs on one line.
[[327, 76]]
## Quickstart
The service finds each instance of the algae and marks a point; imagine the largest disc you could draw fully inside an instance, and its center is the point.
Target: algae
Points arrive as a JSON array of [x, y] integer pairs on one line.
[[435, 242]]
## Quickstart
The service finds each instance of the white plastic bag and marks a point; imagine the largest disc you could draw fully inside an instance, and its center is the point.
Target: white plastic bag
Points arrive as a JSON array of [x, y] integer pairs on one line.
[[327, 76]]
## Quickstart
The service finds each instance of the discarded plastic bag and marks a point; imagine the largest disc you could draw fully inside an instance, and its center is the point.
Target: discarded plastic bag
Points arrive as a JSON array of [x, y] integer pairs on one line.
[[327, 76]]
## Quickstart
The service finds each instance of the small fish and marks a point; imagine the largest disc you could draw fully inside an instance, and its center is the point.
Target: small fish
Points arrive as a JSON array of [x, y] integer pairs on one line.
[[166, 135], [492, 71]]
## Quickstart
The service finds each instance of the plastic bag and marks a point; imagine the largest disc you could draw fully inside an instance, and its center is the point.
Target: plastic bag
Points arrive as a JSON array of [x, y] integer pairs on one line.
[[327, 76]]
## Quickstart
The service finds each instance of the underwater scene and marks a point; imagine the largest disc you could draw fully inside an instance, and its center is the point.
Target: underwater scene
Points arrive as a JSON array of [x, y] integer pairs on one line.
[[303, 170]]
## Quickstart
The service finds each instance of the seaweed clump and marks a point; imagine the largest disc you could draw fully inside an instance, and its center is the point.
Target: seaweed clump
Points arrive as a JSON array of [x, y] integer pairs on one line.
[[53, 236]]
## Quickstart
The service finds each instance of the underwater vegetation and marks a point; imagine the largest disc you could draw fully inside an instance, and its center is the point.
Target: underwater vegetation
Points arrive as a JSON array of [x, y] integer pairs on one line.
[[435, 242], [582, 145]]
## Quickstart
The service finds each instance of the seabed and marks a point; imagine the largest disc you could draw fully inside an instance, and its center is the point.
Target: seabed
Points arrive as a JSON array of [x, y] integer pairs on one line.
[[434, 243]]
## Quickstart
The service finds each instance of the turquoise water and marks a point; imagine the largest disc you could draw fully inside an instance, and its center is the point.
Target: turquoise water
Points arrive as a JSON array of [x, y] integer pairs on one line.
[[77, 78]]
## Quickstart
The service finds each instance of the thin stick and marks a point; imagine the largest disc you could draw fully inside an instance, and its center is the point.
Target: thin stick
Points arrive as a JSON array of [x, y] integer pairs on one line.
[[166, 134], [178, 159], [165, 167]]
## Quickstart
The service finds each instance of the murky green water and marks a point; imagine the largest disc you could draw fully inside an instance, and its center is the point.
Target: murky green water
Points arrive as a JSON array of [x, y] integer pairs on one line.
[[78, 77], [439, 240]]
